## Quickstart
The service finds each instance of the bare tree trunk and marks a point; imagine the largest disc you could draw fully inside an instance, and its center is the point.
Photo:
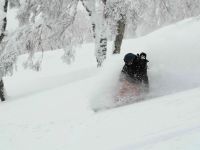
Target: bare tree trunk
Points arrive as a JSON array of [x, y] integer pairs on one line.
[[2, 92], [101, 49], [100, 37], [3, 29], [120, 35]]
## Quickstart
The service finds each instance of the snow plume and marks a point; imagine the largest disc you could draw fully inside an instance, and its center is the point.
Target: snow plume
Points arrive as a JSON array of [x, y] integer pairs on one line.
[[106, 82]]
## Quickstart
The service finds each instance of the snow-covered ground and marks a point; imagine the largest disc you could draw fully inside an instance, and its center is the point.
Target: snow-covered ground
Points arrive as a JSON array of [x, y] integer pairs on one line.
[[52, 109]]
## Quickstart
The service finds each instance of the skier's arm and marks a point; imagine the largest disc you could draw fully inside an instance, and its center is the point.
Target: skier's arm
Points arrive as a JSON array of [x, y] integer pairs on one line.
[[124, 69]]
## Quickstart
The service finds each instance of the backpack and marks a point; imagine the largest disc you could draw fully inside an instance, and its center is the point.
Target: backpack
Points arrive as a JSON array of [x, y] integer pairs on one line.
[[142, 57]]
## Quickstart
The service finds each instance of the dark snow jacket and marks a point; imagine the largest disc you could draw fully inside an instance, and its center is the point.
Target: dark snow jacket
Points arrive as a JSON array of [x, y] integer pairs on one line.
[[137, 72]]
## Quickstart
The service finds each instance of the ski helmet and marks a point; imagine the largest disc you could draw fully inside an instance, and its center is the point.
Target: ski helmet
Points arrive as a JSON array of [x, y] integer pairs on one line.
[[129, 57]]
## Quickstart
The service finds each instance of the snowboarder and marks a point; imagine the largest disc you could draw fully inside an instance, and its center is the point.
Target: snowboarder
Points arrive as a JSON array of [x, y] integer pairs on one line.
[[135, 70], [134, 83]]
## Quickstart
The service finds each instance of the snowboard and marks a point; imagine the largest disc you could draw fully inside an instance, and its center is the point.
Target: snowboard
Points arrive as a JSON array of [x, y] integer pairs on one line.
[[127, 92], [123, 93]]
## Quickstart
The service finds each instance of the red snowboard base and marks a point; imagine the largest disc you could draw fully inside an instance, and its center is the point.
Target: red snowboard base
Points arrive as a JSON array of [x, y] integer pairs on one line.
[[128, 92], [124, 93]]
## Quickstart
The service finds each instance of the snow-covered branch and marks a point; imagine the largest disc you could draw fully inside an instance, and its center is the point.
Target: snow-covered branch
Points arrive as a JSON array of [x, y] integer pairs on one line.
[[45, 25]]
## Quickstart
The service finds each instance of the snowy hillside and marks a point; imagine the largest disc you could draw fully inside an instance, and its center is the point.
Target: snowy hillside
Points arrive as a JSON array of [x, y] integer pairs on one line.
[[52, 109]]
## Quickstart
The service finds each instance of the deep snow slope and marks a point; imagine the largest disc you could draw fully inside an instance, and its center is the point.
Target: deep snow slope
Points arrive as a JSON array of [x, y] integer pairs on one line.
[[52, 109]]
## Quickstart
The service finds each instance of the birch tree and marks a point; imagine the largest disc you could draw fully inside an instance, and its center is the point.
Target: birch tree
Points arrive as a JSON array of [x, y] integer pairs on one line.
[[97, 14], [3, 24], [117, 14]]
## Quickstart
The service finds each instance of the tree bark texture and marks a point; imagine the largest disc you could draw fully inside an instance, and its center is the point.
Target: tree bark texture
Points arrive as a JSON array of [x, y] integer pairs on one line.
[[119, 36], [3, 29]]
